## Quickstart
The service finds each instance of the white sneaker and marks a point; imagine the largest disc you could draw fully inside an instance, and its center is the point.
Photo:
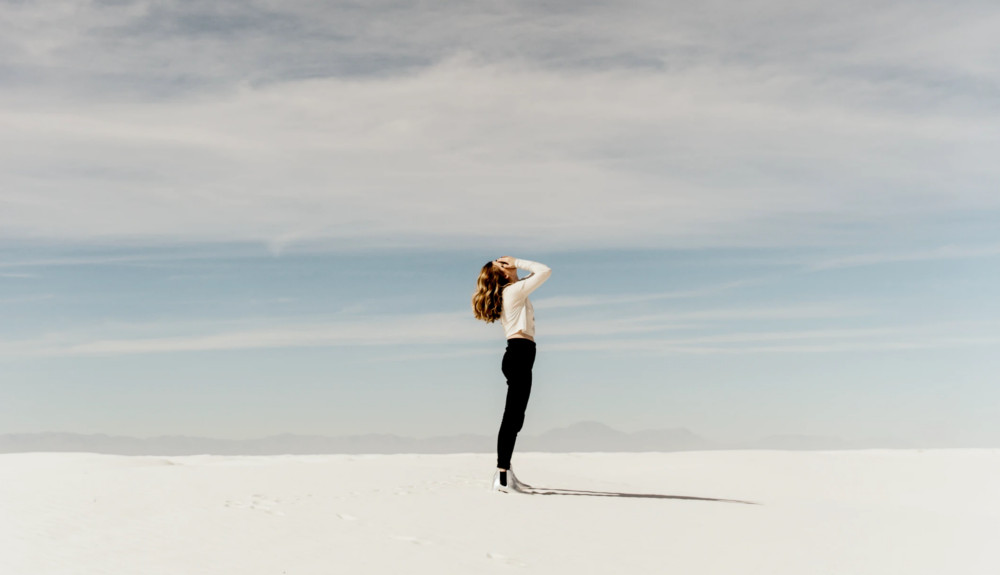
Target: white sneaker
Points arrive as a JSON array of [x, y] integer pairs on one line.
[[513, 485], [503, 488]]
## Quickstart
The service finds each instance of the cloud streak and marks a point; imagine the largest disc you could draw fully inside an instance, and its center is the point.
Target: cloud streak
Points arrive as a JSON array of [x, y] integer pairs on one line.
[[615, 124], [590, 301], [458, 329], [947, 252]]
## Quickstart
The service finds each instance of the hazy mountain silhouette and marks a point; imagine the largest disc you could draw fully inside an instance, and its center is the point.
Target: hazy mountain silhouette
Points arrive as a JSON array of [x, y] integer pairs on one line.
[[596, 436], [586, 436]]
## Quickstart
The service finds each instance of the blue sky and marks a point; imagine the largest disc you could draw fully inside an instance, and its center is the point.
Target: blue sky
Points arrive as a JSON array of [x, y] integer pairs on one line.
[[236, 342], [237, 219]]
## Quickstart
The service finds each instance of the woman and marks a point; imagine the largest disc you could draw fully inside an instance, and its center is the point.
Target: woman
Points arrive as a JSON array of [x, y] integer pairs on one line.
[[501, 295]]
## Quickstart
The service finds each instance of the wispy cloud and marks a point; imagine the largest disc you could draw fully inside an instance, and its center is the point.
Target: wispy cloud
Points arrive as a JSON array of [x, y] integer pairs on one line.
[[27, 298], [686, 321], [471, 337], [668, 347], [391, 330], [808, 263], [896, 338], [948, 252], [590, 301], [621, 124], [146, 258]]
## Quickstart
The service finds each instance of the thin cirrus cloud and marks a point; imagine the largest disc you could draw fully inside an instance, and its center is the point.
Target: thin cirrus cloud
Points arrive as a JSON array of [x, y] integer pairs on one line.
[[634, 124], [928, 335], [136, 258], [454, 329], [946, 252], [653, 346], [26, 298], [409, 330], [588, 301]]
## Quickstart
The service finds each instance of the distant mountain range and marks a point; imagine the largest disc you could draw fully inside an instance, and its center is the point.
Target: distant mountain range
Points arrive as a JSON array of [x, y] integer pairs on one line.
[[586, 436]]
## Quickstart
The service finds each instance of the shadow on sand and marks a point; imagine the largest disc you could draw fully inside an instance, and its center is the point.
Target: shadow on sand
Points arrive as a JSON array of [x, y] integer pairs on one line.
[[557, 491]]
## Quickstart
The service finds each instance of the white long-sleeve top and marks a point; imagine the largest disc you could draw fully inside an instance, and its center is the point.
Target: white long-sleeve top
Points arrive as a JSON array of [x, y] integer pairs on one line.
[[517, 313]]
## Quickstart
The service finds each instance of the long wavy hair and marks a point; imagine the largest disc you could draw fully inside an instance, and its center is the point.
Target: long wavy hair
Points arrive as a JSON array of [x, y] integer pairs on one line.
[[487, 302]]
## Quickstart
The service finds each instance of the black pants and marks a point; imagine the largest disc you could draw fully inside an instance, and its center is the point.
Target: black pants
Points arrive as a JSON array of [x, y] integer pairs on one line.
[[517, 363]]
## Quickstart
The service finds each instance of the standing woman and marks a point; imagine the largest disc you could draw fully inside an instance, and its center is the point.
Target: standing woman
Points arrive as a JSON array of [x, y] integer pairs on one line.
[[501, 295]]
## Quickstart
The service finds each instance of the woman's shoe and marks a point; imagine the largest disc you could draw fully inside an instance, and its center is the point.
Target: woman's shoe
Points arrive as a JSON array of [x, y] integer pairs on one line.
[[497, 486], [513, 484]]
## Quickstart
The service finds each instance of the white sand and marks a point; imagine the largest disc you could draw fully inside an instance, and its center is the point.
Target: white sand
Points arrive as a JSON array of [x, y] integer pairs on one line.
[[852, 512]]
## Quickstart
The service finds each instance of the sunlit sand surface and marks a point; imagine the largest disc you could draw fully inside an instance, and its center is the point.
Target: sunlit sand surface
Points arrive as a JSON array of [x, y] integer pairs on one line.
[[721, 512]]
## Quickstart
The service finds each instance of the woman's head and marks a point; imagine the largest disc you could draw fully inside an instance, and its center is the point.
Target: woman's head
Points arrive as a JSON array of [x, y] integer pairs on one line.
[[487, 302]]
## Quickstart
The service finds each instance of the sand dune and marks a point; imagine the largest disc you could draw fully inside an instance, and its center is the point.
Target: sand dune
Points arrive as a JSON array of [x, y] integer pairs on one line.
[[719, 512]]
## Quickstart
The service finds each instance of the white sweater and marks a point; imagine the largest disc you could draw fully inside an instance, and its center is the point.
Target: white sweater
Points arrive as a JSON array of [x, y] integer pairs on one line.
[[517, 312]]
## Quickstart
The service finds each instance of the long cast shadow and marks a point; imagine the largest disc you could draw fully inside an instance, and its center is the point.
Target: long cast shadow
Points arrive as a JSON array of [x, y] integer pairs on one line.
[[578, 492]]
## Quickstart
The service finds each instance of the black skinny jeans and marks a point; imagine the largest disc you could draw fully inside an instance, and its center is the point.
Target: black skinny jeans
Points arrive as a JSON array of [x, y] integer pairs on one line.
[[517, 363]]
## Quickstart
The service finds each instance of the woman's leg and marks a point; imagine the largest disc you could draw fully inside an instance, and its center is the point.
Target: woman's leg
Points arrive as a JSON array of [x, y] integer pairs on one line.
[[517, 363]]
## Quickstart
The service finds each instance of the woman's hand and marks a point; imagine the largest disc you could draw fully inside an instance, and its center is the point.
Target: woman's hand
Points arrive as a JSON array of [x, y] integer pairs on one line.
[[505, 262]]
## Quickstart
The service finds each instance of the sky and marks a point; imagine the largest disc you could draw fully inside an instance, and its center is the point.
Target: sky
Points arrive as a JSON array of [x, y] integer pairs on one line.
[[241, 219]]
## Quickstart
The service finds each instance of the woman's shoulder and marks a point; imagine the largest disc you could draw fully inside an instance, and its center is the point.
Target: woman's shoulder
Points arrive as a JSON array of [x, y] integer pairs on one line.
[[516, 293]]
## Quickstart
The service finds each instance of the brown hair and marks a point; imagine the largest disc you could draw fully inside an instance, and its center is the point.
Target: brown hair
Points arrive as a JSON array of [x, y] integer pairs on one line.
[[487, 302]]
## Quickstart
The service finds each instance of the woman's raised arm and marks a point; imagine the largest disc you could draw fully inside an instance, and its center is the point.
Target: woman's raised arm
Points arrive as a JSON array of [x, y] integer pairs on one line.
[[539, 273]]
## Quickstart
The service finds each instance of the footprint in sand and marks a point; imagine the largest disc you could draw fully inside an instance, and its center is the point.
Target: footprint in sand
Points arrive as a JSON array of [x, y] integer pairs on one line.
[[257, 502], [411, 539], [508, 560]]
